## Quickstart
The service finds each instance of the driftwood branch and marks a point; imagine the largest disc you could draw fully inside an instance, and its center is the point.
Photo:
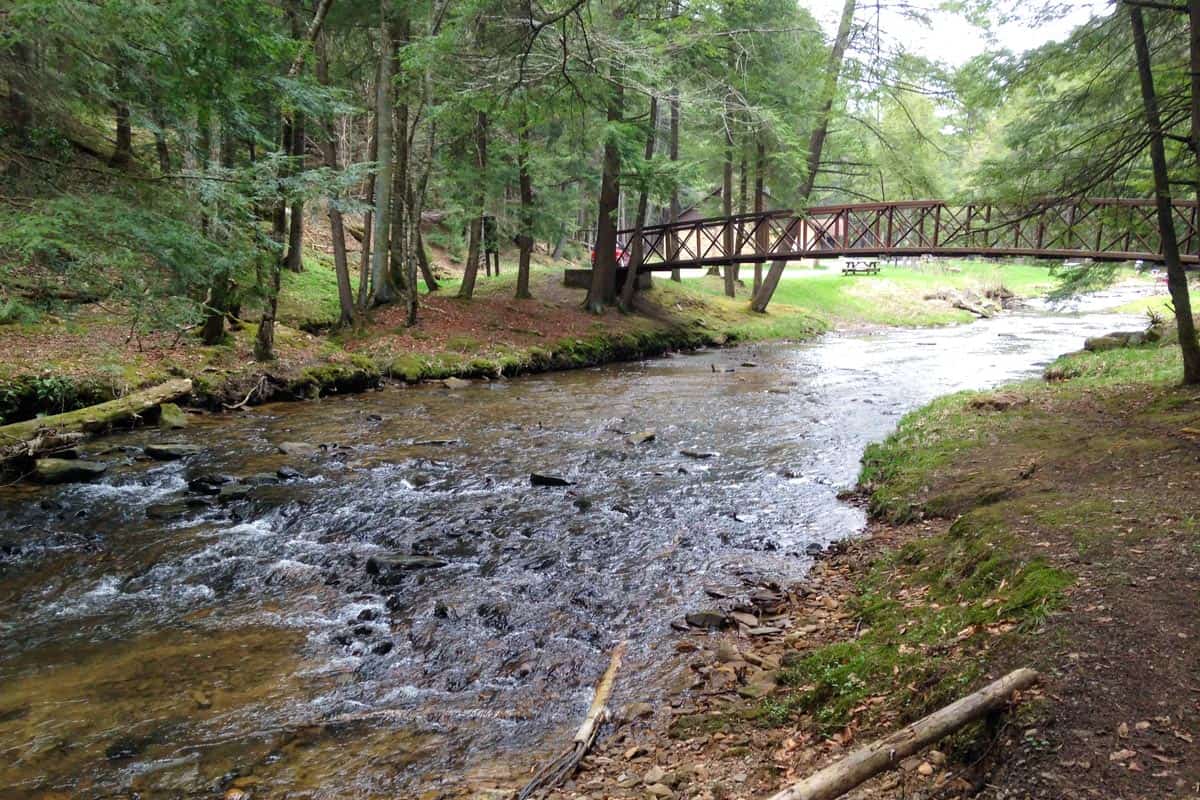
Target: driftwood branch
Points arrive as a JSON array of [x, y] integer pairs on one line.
[[866, 762], [45, 443], [562, 767]]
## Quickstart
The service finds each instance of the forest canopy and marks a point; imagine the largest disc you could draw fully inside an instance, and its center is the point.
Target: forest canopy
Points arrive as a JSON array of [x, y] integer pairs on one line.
[[167, 153]]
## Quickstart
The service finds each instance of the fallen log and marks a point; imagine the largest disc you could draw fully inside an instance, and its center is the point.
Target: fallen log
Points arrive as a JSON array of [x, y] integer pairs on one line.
[[34, 436], [866, 762], [564, 765]]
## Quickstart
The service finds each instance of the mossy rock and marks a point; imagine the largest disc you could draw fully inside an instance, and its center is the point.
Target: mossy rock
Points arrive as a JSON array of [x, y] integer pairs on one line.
[[66, 470], [171, 416], [335, 378]]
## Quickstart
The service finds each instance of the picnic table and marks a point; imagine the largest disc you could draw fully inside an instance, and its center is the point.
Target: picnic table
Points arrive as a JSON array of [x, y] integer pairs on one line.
[[861, 268]]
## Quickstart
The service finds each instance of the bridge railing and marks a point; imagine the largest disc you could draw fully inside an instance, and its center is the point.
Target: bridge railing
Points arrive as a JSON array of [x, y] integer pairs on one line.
[[1103, 229]]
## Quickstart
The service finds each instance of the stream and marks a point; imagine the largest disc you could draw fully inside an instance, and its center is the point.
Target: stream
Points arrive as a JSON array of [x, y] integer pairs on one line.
[[403, 608]]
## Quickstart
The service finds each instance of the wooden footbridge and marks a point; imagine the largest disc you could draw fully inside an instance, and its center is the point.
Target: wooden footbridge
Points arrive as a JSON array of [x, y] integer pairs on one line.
[[1101, 230]]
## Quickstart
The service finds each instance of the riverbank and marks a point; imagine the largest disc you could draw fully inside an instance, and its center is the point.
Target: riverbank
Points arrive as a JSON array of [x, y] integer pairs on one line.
[[75, 356], [1051, 524]]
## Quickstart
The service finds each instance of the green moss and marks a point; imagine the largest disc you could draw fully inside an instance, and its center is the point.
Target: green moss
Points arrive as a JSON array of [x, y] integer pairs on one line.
[[1153, 363], [464, 344], [972, 576], [335, 377], [308, 300], [896, 470]]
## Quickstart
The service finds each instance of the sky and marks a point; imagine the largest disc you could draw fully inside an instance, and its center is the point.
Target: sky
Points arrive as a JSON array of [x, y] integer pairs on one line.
[[950, 37]]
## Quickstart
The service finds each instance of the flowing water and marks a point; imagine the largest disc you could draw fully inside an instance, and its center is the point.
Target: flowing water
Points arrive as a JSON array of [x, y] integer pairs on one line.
[[158, 641]]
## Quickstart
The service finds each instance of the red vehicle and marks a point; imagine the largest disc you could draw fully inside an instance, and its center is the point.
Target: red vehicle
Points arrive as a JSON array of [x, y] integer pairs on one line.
[[621, 253]]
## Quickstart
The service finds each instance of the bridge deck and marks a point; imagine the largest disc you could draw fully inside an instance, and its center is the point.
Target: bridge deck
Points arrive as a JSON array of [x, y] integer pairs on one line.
[[1101, 230]]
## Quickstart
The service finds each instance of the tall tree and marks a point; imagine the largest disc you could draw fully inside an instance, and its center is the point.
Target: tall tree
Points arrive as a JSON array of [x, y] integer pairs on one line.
[[603, 291], [337, 228], [673, 155], [1176, 276], [816, 143], [384, 288], [636, 252], [264, 342], [478, 207], [525, 187]]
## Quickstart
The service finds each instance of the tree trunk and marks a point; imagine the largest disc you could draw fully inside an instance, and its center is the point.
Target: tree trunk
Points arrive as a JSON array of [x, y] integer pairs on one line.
[[816, 143], [160, 147], [525, 236], [295, 251], [603, 290], [336, 224], [381, 275], [401, 236], [123, 153], [264, 343], [743, 207], [415, 200], [398, 247], [727, 202], [673, 155], [1194, 59], [20, 116], [637, 250], [1176, 276], [213, 330], [423, 262], [475, 239], [417, 204], [760, 169], [364, 258]]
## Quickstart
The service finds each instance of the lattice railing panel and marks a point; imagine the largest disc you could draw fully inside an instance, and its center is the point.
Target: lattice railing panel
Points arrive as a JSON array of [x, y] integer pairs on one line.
[[1100, 229]]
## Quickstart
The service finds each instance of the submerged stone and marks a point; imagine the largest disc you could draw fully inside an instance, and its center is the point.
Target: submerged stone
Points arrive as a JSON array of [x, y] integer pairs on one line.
[[707, 619], [164, 511], [298, 449], [233, 491], [642, 437], [391, 569], [209, 482], [170, 451], [547, 480]]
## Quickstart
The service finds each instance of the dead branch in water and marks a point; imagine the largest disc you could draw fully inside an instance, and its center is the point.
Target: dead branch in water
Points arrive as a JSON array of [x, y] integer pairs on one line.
[[562, 767]]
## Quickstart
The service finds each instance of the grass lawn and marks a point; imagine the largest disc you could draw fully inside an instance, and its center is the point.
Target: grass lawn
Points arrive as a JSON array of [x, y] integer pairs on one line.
[[893, 297]]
